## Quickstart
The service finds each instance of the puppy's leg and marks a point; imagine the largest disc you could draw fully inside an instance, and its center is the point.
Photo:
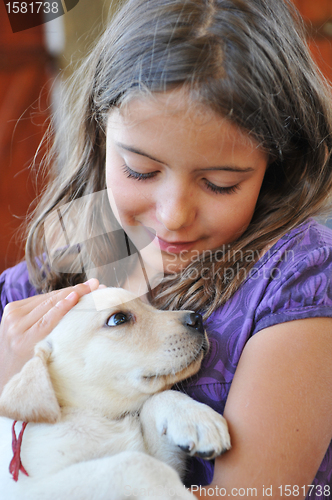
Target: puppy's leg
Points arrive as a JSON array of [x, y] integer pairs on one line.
[[174, 424], [128, 475]]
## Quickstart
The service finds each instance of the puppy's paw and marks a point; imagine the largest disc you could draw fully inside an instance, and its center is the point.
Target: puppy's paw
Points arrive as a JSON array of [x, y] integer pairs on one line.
[[194, 427], [198, 431]]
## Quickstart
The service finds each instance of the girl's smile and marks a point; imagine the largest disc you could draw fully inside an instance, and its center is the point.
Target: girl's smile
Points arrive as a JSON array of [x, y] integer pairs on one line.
[[182, 174]]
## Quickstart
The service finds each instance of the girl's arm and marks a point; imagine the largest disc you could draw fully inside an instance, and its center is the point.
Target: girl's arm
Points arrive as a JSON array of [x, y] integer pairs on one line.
[[279, 411], [26, 322]]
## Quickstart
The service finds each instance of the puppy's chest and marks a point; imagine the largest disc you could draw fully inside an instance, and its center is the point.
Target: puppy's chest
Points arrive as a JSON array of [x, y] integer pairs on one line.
[[47, 448]]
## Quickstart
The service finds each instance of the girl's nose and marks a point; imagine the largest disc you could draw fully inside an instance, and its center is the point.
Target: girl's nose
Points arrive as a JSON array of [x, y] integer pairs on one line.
[[176, 212]]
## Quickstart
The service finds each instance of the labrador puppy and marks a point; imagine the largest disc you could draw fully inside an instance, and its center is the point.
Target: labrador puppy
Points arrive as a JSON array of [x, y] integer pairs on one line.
[[99, 420]]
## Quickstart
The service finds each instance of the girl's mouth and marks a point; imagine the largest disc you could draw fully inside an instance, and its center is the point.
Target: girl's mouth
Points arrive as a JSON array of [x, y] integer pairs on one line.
[[174, 247]]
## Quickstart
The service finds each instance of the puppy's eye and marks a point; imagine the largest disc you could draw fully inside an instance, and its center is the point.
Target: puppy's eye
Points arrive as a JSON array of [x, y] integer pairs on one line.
[[117, 319]]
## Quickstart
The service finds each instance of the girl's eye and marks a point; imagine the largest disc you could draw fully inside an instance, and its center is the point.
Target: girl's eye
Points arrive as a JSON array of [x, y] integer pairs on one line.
[[117, 319], [137, 175], [221, 190], [215, 189]]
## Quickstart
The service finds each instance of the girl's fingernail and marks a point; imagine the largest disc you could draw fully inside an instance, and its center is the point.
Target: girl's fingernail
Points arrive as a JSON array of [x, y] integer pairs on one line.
[[90, 281], [71, 296], [102, 286]]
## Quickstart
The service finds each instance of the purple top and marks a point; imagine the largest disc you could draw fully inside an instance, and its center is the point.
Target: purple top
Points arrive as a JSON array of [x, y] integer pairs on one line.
[[291, 281]]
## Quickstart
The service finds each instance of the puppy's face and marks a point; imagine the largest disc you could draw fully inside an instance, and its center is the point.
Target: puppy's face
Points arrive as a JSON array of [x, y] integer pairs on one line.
[[121, 353]]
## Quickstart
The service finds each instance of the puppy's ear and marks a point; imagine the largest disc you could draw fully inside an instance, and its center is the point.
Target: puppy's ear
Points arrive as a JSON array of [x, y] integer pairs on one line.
[[29, 395]]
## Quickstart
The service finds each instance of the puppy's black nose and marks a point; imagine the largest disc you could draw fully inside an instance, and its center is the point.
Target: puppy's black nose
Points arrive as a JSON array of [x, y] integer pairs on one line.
[[195, 320]]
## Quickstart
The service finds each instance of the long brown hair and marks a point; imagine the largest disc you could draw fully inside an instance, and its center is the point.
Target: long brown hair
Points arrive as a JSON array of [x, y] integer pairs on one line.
[[245, 59]]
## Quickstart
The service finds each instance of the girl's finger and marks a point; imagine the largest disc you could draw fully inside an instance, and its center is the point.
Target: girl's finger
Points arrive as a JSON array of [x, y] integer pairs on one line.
[[51, 318], [30, 303], [32, 312]]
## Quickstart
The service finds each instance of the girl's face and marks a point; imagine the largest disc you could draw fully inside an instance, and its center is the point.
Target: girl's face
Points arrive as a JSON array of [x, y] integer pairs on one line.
[[180, 171]]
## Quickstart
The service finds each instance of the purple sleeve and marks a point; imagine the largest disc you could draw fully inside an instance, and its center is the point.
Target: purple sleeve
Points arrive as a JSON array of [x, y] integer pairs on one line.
[[301, 289], [15, 285]]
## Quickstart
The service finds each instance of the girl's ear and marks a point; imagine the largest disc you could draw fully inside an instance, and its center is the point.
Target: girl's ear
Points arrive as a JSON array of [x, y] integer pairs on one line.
[[29, 396]]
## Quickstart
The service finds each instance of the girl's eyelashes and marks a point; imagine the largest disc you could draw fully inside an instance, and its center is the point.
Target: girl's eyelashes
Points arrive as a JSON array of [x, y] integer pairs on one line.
[[132, 174], [221, 190], [137, 175]]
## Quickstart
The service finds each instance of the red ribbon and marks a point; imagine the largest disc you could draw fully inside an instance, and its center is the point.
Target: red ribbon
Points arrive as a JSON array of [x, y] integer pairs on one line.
[[16, 465]]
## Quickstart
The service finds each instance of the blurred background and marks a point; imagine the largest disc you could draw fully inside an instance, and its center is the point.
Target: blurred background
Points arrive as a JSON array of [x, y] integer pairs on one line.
[[35, 61]]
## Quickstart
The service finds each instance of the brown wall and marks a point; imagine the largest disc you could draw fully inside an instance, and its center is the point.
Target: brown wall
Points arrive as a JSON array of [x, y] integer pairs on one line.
[[26, 72], [317, 15]]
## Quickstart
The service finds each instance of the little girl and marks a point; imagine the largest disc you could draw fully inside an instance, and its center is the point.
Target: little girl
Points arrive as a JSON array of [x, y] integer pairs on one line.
[[198, 146]]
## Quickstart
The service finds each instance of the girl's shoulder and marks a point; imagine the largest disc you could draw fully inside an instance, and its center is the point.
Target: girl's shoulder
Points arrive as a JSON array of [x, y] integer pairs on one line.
[[307, 246], [292, 280], [308, 236], [15, 285], [294, 277]]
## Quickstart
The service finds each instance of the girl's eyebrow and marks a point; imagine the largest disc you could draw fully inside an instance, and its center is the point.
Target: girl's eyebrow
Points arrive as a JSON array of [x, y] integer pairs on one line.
[[227, 168], [224, 168], [138, 152]]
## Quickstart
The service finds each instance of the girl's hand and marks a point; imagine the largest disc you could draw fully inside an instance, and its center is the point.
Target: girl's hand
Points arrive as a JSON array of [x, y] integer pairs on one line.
[[26, 322]]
